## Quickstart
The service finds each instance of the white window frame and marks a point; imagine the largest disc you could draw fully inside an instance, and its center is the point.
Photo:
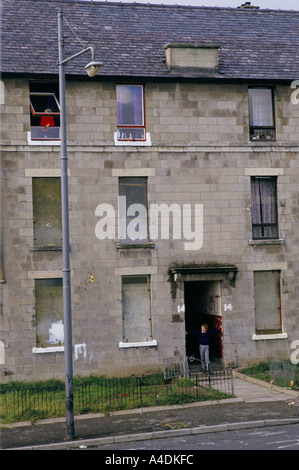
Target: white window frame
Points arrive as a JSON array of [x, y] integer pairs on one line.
[[42, 142], [130, 141], [150, 342]]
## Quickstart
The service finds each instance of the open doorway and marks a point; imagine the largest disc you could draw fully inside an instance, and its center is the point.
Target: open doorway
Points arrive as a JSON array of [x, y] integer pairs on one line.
[[203, 305]]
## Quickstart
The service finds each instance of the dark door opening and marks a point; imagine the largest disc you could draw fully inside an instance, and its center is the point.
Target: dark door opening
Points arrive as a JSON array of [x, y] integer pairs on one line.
[[203, 305]]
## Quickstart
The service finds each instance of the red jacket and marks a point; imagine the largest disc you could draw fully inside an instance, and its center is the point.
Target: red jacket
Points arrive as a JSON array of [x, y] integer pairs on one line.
[[47, 121]]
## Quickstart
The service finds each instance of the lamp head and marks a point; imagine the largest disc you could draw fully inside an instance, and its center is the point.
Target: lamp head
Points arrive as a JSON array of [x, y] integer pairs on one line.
[[93, 68]]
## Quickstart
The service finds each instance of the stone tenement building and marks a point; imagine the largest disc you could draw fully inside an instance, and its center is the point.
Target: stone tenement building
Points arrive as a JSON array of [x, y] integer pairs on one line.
[[183, 185]]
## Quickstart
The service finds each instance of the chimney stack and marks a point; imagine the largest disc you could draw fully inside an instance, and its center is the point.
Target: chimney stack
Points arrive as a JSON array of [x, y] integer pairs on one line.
[[248, 6]]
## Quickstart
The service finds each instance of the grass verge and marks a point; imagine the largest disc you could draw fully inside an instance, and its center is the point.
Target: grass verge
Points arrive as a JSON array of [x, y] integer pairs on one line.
[[24, 401]]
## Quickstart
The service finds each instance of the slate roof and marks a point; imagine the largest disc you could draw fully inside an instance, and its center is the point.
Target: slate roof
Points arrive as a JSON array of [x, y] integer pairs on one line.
[[129, 39]]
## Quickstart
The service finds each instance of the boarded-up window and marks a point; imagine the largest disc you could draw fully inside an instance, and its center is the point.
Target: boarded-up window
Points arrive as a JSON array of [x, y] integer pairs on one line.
[[264, 207], [47, 212], [133, 222], [2, 353], [49, 312], [136, 307], [267, 302]]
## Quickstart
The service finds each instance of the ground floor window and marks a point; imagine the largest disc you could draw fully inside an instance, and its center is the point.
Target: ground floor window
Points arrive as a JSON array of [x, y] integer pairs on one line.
[[267, 302], [136, 309], [49, 313]]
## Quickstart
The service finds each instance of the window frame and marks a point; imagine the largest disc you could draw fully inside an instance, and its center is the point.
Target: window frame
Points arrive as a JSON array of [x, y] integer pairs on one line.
[[145, 341], [267, 332], [271, 129], [44, 89], [49, 246], [49, 282], [264, 225], [129, 241], [120, 126]]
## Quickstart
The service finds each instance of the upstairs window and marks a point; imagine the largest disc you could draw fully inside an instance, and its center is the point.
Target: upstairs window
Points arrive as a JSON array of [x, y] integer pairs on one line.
[[44, 112], [261, 114], [264, 207], [133, 210], [130, 113]]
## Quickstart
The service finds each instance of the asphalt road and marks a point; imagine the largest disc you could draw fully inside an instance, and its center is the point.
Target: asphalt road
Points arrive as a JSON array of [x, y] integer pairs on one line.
[[285, 437]]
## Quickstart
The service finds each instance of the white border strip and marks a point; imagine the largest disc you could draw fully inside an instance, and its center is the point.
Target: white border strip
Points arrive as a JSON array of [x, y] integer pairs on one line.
[[48, 350], [138, 344], [275, 336], [263, 171], [132, 143], [133, 172], [49, 142]]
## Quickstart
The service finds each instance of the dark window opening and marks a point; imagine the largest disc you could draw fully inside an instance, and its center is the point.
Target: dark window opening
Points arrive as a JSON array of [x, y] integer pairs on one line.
[[44, 111]]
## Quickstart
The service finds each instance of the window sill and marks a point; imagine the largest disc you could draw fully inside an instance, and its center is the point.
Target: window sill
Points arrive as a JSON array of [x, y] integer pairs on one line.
[[128, 246], [271, 336], [46, 248], [53, 349], [262, 141], [42, 141], [138, 344], [270, 241], [133, 143]]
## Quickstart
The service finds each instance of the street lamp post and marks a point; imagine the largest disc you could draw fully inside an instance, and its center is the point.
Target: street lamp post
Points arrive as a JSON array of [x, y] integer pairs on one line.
[[91, 69]]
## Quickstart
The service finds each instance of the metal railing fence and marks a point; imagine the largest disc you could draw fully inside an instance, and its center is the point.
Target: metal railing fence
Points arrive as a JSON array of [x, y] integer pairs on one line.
[[21, 401], [176, 366], [284, 373]]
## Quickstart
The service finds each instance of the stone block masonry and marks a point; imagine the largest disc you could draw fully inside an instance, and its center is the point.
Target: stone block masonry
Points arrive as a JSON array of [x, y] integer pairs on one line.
[[200, 154]]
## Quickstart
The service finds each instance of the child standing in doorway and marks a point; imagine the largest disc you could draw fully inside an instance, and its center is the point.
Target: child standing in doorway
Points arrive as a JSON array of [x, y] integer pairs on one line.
[[203, 336]]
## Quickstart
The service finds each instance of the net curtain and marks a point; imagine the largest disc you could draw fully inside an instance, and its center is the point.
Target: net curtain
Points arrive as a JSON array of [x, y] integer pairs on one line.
[[264, 207], [260, 107]]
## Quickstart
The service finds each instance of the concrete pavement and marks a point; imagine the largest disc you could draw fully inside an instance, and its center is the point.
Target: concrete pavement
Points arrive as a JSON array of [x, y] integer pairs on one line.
[[254, 390], [256, 405]]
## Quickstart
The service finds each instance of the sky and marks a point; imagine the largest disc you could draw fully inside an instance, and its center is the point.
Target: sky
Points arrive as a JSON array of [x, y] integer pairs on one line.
[[263, 4]]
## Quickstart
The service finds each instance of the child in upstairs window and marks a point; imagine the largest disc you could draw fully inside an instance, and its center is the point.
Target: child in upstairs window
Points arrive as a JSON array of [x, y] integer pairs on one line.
[[47, 120]]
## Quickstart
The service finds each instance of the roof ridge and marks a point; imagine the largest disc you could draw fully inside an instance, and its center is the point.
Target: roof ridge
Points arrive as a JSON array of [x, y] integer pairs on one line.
[[155, 5]]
